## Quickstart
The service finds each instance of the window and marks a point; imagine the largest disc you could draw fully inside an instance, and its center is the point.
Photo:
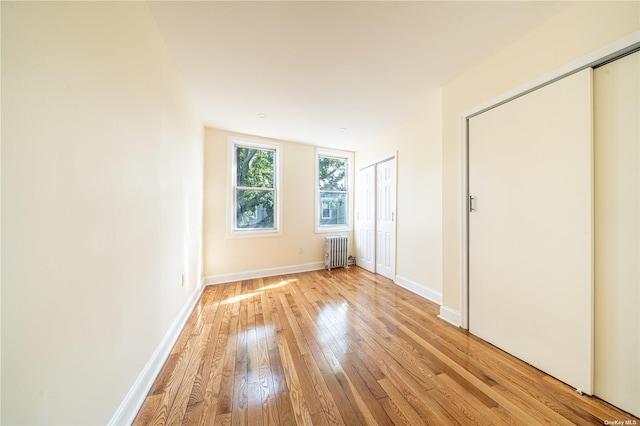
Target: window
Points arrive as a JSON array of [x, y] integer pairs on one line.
[[255, 196], [326, 210], [334, 190]]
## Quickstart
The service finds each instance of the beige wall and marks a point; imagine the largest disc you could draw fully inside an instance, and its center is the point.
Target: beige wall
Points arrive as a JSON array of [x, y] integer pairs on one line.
[[229, 256], [576, 31], [418, 142], [101, 206], [102, 171], [616, 125]]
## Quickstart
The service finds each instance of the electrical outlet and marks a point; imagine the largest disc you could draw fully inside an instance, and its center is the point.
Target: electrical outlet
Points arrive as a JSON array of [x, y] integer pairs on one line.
[[301, 250]]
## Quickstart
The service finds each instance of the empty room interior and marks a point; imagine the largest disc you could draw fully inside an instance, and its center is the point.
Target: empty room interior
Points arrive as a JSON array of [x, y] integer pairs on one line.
[[329, 212]]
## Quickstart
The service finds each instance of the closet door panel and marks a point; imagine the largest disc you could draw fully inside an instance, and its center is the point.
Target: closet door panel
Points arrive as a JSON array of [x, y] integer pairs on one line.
[[617, 232], [366, 219], [386, 219], [530, 231]]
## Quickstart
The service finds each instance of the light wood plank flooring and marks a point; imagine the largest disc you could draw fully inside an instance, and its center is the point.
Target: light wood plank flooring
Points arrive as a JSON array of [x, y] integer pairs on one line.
[[347, 347]]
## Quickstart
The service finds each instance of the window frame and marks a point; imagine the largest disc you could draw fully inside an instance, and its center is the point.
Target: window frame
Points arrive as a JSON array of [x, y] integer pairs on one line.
[[233, 231], [349, 180]]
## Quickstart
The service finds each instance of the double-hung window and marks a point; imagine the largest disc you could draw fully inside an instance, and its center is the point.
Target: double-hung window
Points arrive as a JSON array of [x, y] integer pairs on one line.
[[333, 184], [255, 196]]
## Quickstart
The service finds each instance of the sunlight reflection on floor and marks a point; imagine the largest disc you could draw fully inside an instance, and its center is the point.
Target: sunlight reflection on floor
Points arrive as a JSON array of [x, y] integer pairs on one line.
[[257, 292]]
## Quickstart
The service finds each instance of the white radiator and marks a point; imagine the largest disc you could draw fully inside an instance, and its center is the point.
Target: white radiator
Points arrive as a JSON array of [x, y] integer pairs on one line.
[[336, 252]]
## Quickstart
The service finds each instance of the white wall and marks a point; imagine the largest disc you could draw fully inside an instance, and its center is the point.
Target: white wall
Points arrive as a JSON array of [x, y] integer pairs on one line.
[[0, 220], [418, 142], [101, 205]]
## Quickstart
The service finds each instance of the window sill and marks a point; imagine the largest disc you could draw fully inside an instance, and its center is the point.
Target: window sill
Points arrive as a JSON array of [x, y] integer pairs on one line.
[[339, 228], [254, 233]]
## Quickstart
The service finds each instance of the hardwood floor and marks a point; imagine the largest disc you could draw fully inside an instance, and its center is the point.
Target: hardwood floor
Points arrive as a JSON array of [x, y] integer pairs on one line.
[[347, 347]]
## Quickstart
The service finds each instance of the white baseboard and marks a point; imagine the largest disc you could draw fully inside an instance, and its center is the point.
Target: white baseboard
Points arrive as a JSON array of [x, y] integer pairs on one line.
[[131, 404], [419, 289], [450, 316], [260, 273]]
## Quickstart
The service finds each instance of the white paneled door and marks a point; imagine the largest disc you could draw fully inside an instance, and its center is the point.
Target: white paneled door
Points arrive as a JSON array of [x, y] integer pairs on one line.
[[366, 219], [531, 226], [385, 219], [617, 232]]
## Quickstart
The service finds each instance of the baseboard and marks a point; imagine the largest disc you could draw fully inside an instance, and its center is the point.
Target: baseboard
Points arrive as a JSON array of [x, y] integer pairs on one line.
[[419, 289], [131, 404], [260, 273], [450, 316]]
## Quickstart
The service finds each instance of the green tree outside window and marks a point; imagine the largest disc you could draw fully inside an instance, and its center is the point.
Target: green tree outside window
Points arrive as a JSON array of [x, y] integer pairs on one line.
[[332, 183], [255, 188]]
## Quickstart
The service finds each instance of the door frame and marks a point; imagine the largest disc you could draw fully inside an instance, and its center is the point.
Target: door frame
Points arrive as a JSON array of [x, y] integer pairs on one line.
[[390, 156], [613, 50]]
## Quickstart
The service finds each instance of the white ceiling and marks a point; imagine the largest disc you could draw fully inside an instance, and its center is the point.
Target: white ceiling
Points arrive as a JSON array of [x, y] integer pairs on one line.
[[315, 67]]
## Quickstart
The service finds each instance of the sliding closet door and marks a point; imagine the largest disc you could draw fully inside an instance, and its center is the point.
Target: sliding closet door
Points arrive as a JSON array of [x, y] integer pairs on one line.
[[386, 219], [617, 232], [366, 219], [530, 231]]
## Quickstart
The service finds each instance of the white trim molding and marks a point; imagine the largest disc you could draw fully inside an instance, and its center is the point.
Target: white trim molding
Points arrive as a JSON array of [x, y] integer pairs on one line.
[[234, 142], [348, 156], [261, 273], [449, 315], [597, 57], [131, 404], [419, 289], [382, 159]]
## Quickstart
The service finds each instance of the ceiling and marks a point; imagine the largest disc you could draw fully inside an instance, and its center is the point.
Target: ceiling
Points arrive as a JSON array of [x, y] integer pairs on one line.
[[330, 73]]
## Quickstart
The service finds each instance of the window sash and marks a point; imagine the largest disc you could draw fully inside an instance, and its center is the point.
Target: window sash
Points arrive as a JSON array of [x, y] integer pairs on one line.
[[340, 209], [327, 191], [259, 211], [337, 206], [250, 221], [254, 188], [270, 179], [343, 184]]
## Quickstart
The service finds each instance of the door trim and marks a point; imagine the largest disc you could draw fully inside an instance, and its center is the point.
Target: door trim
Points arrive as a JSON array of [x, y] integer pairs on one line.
[[606, 53], [382, 159]]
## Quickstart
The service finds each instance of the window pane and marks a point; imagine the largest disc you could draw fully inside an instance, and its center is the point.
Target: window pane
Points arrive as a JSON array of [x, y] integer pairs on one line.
[[332, 174], [255, 167], [333, 208], [326, 211], [255, 209]]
